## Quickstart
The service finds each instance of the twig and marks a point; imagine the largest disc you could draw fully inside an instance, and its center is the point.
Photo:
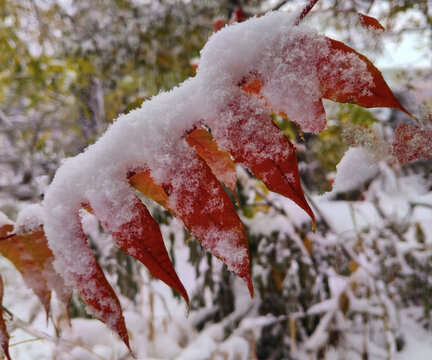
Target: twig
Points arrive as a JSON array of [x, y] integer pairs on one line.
[[26, 341], [40, 335], [305, 11], [370, 6]]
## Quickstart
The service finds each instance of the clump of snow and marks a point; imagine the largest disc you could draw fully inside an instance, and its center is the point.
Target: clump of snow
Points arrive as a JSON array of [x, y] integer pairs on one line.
[[29, 219], [356, 167]]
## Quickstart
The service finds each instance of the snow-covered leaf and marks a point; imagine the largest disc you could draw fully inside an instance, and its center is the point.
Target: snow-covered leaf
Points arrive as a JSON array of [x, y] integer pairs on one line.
[[370, 22], [31, 256], [219, 161]]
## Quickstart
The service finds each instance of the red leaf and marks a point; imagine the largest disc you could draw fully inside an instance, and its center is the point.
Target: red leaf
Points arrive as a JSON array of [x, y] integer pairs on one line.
[[331, 72], [370, 22], [218, 24], [219, 161], [84, 274], [412, 143], [237, 16], [205, 209], [255, 141], [4, 335], [197, 198], [141, 238]]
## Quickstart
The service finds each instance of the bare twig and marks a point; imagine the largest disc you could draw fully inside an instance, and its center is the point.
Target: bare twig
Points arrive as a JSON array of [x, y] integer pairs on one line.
[[305, 11]]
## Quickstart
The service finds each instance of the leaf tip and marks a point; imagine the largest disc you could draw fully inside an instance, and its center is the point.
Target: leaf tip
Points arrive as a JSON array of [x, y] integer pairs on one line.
[[370, 22], [248, 280]]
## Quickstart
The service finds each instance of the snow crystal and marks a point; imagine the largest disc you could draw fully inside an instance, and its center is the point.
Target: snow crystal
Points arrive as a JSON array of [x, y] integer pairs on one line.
[[222, 243], [29, 219]]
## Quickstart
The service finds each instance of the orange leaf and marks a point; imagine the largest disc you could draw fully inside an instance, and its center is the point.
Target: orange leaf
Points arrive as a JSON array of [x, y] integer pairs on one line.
[[219, 161], [252, 86], [332, 81], [370, 22], [5, 231], [32, 257], [141, 238], [4, 335], [144, 183], [412, 143], [37, 245], [16, 251]]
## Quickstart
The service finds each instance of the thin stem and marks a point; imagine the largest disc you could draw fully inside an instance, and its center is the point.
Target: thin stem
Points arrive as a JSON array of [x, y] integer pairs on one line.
[[27, 341], [305, 11]]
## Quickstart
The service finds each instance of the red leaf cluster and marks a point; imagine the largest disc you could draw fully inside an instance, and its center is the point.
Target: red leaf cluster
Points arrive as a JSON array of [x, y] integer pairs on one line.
[[205, 209]]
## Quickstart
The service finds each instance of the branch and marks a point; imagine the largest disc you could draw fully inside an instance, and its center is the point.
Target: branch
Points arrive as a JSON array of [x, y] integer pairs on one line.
[[305, 11]]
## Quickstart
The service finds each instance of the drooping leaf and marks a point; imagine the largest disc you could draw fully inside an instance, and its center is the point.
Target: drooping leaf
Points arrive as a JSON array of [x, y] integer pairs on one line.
[[219, 161], [86, 275], [141, 238], [4, 335], [15, 250], [37, 245], [255, 141], [370, 22], [30, 254], [197, 198], [332, 72]]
